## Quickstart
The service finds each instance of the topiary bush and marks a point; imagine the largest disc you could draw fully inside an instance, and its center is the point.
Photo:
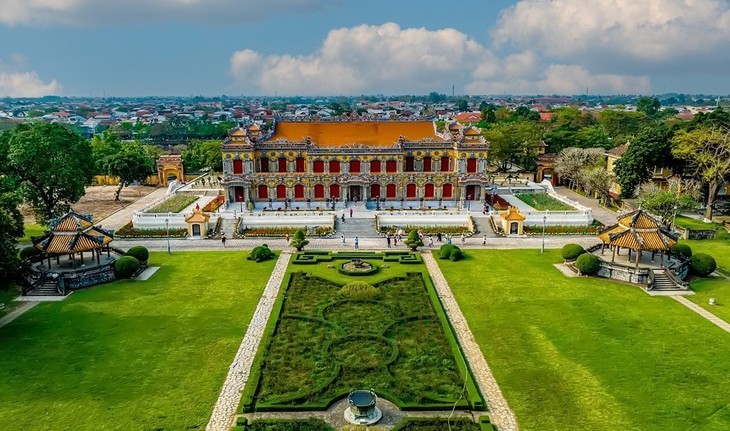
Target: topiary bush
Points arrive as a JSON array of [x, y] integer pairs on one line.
[[445, 251], [456, 254], [588, 264], [702, 264], [261, 253], [126, 266], [28, 252], [682, 250], [299, 240], [359, 290], [413, 241], [571, 251], [140, 253]]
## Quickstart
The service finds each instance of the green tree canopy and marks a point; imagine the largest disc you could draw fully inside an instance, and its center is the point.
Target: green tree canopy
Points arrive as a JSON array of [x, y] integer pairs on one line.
[[11, 228], [651, 148], [707, 151], [510, 142], [52, 165], [649, 106], [131, 163], [622, 125], [201, 155]]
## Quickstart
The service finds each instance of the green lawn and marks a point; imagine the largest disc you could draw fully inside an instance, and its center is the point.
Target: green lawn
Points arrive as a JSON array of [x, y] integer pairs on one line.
[[718, 248], [694, 224], [591, 354], [543, 201], [32, 229], [6, 301], [718, 288], [132, 355]]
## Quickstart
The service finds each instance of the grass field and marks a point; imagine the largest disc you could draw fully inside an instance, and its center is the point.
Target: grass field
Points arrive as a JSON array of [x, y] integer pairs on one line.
[[6, 301], [694, 224], [132, 355], [32, 229], [543, 201], [591, 354]]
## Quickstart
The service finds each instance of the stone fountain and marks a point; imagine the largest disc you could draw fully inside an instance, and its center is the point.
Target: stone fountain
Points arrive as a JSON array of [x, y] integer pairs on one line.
[[362, 410]]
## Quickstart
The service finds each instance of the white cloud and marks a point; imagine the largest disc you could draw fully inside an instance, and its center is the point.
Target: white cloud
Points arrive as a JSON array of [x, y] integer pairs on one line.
[[604, 32], [389, 59], [93, 12], [25, 84]]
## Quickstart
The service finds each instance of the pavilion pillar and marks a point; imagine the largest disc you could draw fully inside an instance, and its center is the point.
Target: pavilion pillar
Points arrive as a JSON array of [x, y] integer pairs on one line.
[[98, 256], [73, 260], [653, 253], [662, 258], [638, 257], [603, 248], [613, 257], [82, 258]]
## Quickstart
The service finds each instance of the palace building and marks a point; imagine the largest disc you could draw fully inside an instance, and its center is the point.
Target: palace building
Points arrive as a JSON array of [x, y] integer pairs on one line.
[[310, 162]]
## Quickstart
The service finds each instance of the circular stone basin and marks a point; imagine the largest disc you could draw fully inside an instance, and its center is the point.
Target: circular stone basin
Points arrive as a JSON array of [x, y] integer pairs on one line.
[[357, 265], [362, 351], [362, 402]]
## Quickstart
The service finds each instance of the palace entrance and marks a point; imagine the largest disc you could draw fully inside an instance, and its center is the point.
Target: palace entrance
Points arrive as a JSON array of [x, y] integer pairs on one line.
[[355, 193], [473, 193]]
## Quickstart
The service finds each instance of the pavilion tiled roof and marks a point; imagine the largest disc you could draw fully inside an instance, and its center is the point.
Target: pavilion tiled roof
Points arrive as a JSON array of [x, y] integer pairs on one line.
[[368, 133], [72, 233], [638, 230]]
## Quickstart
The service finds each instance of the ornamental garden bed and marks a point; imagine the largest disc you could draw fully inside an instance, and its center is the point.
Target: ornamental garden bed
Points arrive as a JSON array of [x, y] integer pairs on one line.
[[322, 343], [593, 229], [427, 230], [283, 231], [129, 231], [175, 204], [543, 201]]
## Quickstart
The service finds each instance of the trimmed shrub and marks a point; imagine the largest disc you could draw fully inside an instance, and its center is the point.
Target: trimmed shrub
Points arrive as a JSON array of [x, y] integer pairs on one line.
[[413, 241], [571, 251], [682, 250], [140, 253], [588, 264], [359, 290], [261, 253], [445, 251], [456, 254], [28, 252], [702, 264], [299, 240], [126, 266]]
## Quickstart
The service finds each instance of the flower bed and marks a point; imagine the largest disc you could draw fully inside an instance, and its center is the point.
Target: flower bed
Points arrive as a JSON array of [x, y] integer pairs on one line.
[[427, 230], [175, 204], [543, 201], [214, 204], [283, 231], [129, 231], [564, 230]]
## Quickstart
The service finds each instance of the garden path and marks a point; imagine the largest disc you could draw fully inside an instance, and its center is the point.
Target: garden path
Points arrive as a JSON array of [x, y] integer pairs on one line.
[[605, 216], [229, 399], [120, 218], [702, 312], [499, 411], [22, 308]]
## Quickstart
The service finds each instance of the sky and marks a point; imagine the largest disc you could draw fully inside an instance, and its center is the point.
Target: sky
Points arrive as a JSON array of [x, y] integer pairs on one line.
[[348, 48]]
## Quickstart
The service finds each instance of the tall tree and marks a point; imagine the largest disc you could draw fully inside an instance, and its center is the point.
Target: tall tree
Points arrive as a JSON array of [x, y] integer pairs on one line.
[[649, 106], [129, 164], [571, 163], [11, 222], [651, 148], [53, 166], [707, 151], [667, 202], [511, 142]]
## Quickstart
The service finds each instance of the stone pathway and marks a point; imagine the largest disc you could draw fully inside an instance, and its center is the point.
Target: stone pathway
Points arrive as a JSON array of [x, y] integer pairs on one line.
[[25, 306], [600, 213], [499, 412], [120, 218], [704, 313], [229, 399]]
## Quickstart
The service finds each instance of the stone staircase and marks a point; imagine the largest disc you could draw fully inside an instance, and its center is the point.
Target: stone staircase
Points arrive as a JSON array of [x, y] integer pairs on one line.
[[662, 282], [48, 288], [361, 224], [229, 226], [483, 224]]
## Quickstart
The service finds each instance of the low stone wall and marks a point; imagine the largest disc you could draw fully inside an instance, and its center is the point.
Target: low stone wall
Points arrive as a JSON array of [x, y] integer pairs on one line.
[[287, 219], [423, 219], [624, 273], [696, 234]]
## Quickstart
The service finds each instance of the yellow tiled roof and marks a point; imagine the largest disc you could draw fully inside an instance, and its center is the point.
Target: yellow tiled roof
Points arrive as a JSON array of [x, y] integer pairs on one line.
[[370, 133], [638, 230]]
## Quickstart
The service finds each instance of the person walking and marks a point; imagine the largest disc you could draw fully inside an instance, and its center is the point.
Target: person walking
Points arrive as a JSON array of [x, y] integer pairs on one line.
[[448, 239], [463, 239], [438, 236], [484, 241], [350, 212], [343, 238], [286, 237], [387, 239], [343, 217], [223, 239], [357, 243], [430, 240]]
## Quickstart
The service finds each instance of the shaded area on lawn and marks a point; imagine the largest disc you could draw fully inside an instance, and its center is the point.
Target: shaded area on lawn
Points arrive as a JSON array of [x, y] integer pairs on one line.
[[131, 354], [585, 353]]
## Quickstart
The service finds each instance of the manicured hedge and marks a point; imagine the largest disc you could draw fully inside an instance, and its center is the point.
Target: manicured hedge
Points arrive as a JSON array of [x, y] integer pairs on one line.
[[702, 264], [682, 250], [261, 253], [28, 252], [126, 266], [139, 252], [445, 251], [588, 264], [456, 254], [571, 251]]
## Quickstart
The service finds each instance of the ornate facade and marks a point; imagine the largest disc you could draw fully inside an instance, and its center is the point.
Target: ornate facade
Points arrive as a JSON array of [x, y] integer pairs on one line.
[[311, 162]]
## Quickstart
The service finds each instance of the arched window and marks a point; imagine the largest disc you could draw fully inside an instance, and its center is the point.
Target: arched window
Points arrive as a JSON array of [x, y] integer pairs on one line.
[[298, 192], [390, 191], [410, 191], [335, 190], [262, 191], [429, 191], [354, 166], [334, 166], [319, 191], [447, 191], [375, 191], [280, 191]]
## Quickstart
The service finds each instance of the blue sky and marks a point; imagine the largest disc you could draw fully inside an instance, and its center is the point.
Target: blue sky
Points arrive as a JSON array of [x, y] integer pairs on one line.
[[341, 47]]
